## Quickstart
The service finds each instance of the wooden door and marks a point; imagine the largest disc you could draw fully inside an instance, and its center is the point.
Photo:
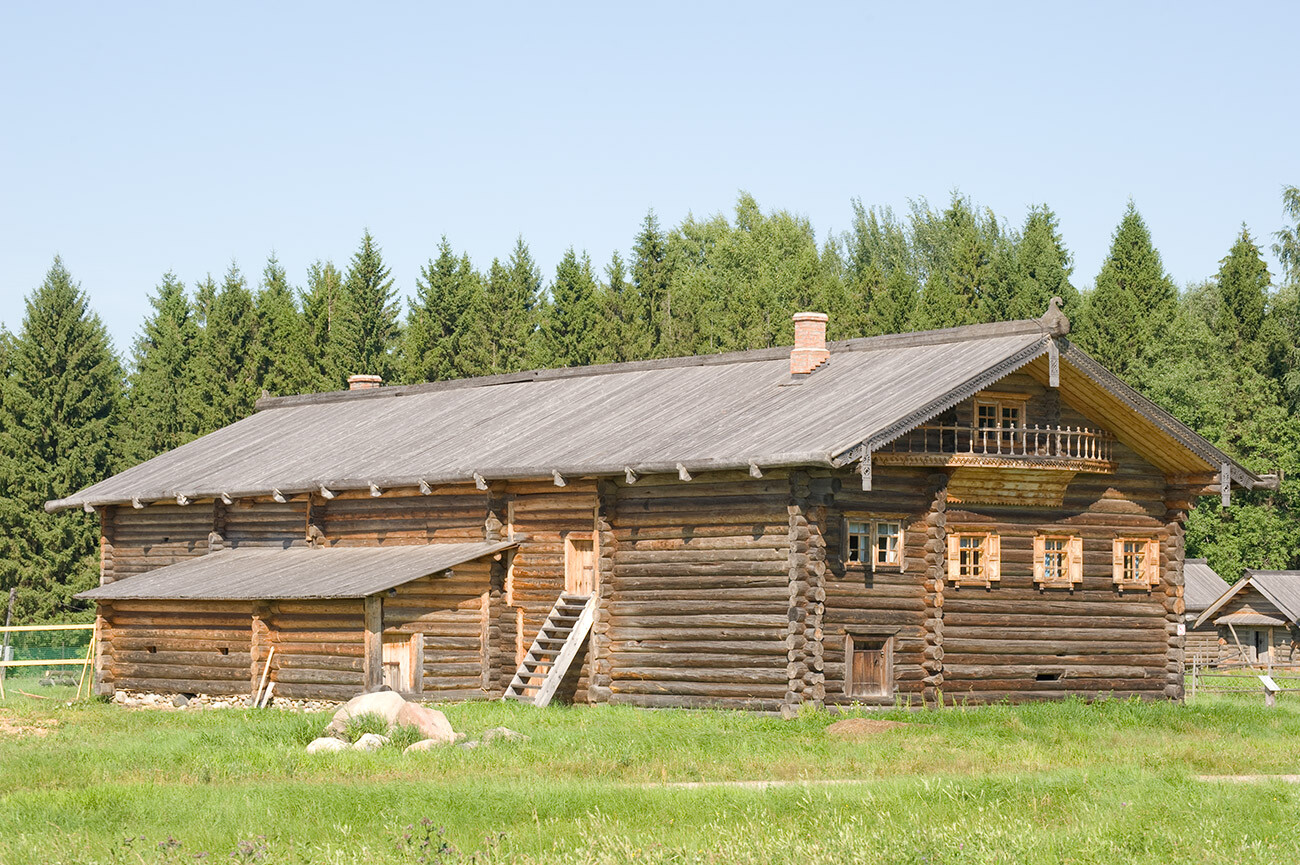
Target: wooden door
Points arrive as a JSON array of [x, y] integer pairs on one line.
[[579, 564], [397, 662], [868, 667]]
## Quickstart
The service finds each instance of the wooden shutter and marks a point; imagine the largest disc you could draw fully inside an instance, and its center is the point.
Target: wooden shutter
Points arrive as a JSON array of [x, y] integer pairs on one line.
[[1040, 552], [1117, 559], [1153, 562], [993, 560], [1076, 560], [954, 551]]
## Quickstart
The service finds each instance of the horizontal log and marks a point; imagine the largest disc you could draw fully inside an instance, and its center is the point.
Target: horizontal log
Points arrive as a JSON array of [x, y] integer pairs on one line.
[[183, 686], [124, 670], [627, 661], [313, 676], [234, 660]]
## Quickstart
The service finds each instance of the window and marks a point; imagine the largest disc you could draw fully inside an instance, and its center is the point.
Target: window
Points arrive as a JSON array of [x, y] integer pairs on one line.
[[1136, 563], [868, 666], [875, 542], [1000, 412], [974, 558], [1058, 560]]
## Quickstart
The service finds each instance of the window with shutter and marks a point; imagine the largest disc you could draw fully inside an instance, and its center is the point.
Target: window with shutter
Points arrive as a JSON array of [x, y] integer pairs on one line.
[[1058, 561], [1136, 562], [974, 558]]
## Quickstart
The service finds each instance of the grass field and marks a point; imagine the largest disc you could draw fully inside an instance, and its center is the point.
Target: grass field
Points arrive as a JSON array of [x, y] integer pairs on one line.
[[1109, 782]]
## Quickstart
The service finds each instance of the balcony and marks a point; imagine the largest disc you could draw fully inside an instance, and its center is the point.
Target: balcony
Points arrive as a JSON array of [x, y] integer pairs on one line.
[[1055, 448]]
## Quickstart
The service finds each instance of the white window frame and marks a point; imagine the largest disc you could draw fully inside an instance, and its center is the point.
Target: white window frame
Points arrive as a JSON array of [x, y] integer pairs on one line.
[[1072, 552], [990, 569], [872, 537]]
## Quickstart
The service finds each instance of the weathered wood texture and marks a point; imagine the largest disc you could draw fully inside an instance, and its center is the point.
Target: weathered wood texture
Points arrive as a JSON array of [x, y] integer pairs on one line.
[[699, 606], [545, 513], [266, 523], [452, 514], [134, 541], [450, 612], [319, 648], [176, 647]]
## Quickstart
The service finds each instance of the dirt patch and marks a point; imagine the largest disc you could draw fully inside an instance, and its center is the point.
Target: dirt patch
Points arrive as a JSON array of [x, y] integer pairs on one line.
[[860, 728], [11, 728]]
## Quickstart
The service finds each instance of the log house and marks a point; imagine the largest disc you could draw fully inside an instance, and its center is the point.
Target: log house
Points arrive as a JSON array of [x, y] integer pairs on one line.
[[976, 514]]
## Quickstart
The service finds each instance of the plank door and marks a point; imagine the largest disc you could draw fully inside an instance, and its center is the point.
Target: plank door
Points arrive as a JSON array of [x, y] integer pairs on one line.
[[868, 667], [397, 663], [579, 564]]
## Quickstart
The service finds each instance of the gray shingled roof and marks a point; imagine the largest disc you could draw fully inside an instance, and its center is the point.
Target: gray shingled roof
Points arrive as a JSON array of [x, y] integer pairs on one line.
[[726, 411], [1201, 585], [259, 573], [1280, 587]]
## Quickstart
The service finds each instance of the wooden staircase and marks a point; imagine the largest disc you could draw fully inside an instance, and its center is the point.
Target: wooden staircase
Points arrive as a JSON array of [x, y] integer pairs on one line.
[[553, 650]]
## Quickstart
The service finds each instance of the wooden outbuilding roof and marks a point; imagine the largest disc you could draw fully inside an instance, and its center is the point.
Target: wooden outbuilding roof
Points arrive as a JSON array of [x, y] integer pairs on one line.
[[742, 411], [260, 573], [1201, 585], [1281, 588]]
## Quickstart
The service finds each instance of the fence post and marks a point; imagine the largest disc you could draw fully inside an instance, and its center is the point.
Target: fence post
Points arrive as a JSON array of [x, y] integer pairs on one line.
[[4, 652]]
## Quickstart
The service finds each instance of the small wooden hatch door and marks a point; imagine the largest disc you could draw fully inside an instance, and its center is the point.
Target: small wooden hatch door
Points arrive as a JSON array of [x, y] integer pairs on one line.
[[870, 663], [579, 564], [399, 666]]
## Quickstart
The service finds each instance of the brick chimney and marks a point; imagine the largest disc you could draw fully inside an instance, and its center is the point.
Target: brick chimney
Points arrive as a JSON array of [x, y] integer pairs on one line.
[[809, 350], [364, 382]]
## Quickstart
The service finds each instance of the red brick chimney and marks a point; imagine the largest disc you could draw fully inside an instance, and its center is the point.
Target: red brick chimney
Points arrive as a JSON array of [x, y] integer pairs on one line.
[[809, 350], [364, 382]]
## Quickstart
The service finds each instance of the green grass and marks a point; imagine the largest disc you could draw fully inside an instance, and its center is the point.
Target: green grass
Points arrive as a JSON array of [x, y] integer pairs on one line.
[[1062, 782]]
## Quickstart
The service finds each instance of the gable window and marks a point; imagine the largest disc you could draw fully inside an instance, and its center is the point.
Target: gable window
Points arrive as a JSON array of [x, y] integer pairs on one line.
[[1058, 560], [874, 542], [1136, 562], [974, 558], [997, 417], [868, 666]]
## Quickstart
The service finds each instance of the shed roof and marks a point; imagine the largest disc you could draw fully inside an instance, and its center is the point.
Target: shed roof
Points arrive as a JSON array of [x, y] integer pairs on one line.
[[258, 573], [1281, 588], [1201, 585], [727, 411], [1248, 618]]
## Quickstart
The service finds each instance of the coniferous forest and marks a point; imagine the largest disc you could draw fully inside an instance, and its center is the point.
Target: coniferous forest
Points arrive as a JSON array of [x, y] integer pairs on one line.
[[1223, 355]]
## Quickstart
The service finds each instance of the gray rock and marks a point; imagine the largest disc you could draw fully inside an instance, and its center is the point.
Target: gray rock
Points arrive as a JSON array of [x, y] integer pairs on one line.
[[180, 701], [370, 742], [470, 745], [325, 743], [503, 734], [425, 745]]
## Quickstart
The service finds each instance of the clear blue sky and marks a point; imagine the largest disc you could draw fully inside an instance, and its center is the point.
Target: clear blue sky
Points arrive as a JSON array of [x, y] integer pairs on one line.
[[140, 138]]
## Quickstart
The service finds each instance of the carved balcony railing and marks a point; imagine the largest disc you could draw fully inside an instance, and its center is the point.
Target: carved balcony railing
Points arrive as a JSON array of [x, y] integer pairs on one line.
[[1049, 447]]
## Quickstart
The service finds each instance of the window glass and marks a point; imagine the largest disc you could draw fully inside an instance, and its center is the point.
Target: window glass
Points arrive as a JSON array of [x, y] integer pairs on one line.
[[888, 536], [1054, 559], [1135, 554], [859, 534], [970, 562]]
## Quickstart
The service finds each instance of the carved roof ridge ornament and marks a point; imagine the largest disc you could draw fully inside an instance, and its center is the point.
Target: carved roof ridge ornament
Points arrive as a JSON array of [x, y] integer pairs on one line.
[[1054, 320]]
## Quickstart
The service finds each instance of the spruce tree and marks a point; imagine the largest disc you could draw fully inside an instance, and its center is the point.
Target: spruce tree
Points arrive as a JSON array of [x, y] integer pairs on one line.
[[958, 257], [617, 316], [1243, 282], [1133, 302], [365, 336], [443, 335], [320, 307], [58, 411], [224, 369], [1042, 269], [569, 329], [651, 275], [513, 294], [155, 419], [281, 355]]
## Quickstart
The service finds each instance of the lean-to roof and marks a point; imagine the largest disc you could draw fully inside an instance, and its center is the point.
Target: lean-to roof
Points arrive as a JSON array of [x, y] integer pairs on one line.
[[729, 411], [259, 573]]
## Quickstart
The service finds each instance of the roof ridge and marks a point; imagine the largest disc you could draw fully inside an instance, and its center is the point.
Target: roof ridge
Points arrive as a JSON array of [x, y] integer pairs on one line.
[[868, 343]]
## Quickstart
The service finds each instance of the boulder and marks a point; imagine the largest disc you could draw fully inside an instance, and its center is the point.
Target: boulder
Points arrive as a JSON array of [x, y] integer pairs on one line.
[[503, 734], [425, 745], [325, 743], [431, 723], [370, 742], [180, 701], [385, 704]]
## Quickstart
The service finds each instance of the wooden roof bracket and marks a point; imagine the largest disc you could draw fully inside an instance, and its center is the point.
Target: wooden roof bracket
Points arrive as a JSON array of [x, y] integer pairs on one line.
[[1053, 364], [629, 475], [182, 499], [755, 471], [682, 473], [480, 483], [425, 489], [326, 493], [558, 478], [864, 468], [375, 491]]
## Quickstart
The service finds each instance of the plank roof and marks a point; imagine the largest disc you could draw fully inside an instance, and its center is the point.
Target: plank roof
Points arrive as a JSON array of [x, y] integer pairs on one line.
[[1201, 585], [1281, 588], [261, 573], [727, 411]]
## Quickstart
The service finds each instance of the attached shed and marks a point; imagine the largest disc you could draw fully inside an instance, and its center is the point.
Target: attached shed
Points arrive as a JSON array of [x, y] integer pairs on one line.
[[981, 513], [1201, 588], [1256, 619]]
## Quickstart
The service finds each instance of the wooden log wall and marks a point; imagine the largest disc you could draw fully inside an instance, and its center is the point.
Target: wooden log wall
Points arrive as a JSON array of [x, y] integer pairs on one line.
[[545, 513], [264, 523], [883, 601], [134, 541], [1016, 641], [176, 647], [452, 514], [1202, 644], [699, 583], [451, 612], [805, 677], [319, 648]]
